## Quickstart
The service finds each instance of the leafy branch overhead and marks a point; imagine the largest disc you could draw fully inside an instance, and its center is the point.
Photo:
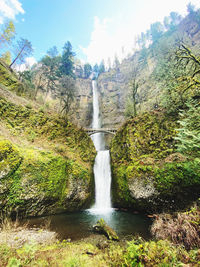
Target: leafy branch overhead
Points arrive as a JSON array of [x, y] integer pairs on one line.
[[191, 62]]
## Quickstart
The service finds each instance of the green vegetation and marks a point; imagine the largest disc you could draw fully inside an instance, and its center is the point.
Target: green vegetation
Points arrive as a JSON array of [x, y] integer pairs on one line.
[[147, 169], [189, 134], [102, 227], [58, 172], [7, 33], [23, 50], [10, 79], [136, 253]]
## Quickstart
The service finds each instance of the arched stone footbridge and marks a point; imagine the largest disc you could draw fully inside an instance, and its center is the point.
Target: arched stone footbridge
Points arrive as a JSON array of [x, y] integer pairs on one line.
[[91, 131]]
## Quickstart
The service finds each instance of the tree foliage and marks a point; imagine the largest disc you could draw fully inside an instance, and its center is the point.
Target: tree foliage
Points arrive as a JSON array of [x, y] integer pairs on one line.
[[6, 57], [7, 33], [87, 70], [67, 60], [178, 73], [189, 132], [66, 92], [50, 69], [23, 49]]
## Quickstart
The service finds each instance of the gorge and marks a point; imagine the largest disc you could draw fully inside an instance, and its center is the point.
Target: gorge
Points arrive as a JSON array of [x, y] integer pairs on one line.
[[83, 144]]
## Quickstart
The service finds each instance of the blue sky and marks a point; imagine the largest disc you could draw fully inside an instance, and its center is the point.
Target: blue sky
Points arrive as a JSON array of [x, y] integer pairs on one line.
[[96, 28]]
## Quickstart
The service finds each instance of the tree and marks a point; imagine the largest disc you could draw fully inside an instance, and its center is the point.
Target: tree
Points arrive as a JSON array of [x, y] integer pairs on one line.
[[96, 69], [87, 70], [156, 31], [7, 33], [190, 8], [51, 64], [67, 60], [6, 57], [175, 19], [142, 39], [23, 50], [166, 23], [191, 62], [178, 73], [189, 132], [66, 92], [102, 67], [27, 79], [52, 52], [116, 62], [133, 85]]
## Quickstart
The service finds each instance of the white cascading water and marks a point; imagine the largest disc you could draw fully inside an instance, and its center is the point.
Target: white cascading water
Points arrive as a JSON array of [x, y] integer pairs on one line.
[[102, 170]]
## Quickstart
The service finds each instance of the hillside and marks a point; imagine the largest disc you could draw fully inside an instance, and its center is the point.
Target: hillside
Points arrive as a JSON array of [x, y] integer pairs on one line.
[[45, 161], [146, 66]]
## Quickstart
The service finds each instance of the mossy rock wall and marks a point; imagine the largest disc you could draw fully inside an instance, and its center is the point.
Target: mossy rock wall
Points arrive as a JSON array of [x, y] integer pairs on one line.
[[46, 165], [148, 174], [35, 182]]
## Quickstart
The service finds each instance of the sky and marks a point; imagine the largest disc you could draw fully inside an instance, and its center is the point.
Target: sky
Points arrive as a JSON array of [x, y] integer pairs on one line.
[[97, 29]]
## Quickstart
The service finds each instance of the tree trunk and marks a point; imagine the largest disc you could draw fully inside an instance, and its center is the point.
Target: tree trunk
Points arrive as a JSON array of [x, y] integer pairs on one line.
[[17, 56]]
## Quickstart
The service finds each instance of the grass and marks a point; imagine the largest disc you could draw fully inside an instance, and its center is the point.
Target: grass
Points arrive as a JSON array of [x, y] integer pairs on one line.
[[83, 254], [180, 228]]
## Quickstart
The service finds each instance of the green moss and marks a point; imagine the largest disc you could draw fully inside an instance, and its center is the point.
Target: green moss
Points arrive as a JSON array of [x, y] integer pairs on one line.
[[43, 177], [143, 150], [9, 79], [9, 158], [37, 125], [177, 175]]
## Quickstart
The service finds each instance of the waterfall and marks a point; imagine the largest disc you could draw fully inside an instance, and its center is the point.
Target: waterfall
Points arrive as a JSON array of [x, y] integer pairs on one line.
[[102, 170]]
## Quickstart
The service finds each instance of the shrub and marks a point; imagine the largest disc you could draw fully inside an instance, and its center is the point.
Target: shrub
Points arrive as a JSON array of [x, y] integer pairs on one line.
[[182, 228]]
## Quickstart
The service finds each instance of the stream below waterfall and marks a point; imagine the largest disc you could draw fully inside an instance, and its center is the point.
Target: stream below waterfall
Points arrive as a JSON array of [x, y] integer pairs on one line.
[[78, 225]]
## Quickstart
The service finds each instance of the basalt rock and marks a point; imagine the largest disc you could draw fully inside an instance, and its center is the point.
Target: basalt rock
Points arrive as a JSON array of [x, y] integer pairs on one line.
[[102, 228]]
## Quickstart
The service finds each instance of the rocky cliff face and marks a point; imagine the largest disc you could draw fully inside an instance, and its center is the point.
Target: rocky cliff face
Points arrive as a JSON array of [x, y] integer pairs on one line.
[[114, 90], [81, 110], [114, 85]]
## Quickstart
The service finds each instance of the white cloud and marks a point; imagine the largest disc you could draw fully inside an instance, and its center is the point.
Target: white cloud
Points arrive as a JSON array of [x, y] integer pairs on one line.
[[29, 62], [9, 9], [109, 36]]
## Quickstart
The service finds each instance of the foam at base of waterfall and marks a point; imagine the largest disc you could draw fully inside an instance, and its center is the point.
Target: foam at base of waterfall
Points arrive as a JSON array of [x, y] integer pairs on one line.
[[97, 211]]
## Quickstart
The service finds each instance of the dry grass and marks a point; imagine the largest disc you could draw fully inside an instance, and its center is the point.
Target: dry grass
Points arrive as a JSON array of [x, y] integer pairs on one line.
[[15, 234], [182, 228]]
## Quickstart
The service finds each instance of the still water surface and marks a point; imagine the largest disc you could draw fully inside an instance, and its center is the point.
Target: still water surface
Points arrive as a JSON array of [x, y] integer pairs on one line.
[[79, 224]]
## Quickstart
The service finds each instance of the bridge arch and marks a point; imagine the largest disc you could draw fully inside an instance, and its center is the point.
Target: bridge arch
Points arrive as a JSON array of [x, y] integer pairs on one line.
[[101, 130]]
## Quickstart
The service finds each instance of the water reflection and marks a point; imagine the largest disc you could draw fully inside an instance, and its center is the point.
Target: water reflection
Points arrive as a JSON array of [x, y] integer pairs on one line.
[[79, 225]]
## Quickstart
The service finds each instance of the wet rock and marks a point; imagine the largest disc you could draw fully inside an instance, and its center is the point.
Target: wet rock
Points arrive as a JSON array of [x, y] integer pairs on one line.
[[102, 228]]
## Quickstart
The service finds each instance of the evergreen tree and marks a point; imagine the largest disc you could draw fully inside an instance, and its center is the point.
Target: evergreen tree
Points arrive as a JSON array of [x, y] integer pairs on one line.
[[50, 69], [96, 69], [101, 67], [189, 132], [87, 70], [67, 60], [156, 31]]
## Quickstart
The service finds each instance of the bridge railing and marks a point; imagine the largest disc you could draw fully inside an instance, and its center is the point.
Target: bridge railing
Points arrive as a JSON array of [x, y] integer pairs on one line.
[[91, 131]]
